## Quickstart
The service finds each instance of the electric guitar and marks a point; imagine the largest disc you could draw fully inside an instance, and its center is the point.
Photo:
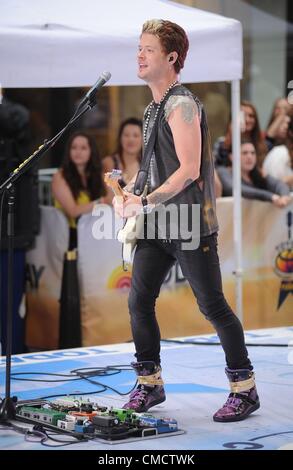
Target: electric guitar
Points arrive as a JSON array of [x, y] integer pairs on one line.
[[128, 235]]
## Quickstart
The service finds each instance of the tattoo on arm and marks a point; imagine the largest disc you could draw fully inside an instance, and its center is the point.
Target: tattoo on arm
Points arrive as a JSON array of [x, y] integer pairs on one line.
[[189, 108], [160, 196], [188, 112]]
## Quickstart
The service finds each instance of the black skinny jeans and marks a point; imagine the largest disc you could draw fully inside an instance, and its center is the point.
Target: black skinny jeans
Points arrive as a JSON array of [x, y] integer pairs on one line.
[[152, 261]]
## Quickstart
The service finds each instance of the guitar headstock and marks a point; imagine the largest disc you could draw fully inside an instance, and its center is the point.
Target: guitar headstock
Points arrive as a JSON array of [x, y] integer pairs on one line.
[[112, 180]]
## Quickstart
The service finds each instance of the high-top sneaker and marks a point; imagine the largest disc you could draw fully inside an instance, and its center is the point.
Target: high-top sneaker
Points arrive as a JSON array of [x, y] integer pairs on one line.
[[243, 398], [150, 390]]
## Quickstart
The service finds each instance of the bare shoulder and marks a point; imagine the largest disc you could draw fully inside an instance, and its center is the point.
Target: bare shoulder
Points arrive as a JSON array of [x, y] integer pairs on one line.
[[58, 179], [58, 176]]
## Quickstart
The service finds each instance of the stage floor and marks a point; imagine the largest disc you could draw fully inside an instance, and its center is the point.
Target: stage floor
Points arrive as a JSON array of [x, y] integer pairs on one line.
[[196, 387]]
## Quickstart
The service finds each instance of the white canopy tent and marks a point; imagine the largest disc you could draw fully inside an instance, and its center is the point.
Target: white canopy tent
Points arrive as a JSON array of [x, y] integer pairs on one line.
[[63, 43], [68, 43]]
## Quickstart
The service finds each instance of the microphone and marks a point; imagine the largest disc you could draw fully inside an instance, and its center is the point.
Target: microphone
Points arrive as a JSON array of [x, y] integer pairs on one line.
[[103, 78]]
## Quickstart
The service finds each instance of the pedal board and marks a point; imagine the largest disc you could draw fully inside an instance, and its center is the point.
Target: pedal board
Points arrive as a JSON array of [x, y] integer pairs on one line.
[[87, 419]]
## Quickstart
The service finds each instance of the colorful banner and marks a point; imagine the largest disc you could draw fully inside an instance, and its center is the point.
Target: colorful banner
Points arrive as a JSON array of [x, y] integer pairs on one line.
[[43, 280], [104, 286]]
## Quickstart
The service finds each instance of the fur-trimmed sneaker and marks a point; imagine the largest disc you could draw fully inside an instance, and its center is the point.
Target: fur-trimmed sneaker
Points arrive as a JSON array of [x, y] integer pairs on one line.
[[243, 398], [150, 390]]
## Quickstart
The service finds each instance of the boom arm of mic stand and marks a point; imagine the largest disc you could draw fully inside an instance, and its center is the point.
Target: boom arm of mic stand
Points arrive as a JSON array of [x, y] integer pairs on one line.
[[37, 155]]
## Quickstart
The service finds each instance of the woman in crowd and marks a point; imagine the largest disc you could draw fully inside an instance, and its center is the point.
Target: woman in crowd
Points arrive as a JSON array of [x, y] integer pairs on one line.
[[254, 185], [129, 149], [250, 130], [279, 161], [279, 121], [79, 184]]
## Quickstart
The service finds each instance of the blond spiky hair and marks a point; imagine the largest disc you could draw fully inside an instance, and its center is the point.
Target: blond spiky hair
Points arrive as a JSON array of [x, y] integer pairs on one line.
[[152, 26]]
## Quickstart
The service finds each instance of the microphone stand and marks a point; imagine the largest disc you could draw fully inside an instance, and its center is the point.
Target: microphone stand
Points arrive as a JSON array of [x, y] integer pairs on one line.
[[8, 404]]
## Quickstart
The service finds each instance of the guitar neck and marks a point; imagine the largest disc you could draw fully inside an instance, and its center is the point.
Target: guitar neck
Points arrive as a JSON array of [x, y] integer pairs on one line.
[[117, 190], [114, 185]]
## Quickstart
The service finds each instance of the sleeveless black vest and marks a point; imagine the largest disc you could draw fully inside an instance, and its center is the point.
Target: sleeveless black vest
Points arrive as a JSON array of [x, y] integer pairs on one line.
[[166, 162]]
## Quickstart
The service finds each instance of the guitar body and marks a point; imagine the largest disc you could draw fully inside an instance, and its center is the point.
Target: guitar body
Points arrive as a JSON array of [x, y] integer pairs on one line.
[[129, 234], [133, 228]]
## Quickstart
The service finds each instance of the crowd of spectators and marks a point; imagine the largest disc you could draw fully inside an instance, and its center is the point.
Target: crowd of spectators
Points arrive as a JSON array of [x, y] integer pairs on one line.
[[266, 157]]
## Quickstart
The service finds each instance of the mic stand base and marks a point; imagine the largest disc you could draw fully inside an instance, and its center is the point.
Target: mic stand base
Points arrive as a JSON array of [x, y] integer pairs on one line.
[[7, 409]]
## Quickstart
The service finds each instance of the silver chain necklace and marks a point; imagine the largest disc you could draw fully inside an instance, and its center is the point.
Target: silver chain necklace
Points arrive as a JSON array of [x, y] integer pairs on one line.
[[150, 107]]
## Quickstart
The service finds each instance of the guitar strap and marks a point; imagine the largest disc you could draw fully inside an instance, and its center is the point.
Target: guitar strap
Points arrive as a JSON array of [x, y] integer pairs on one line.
[[142, 174]]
